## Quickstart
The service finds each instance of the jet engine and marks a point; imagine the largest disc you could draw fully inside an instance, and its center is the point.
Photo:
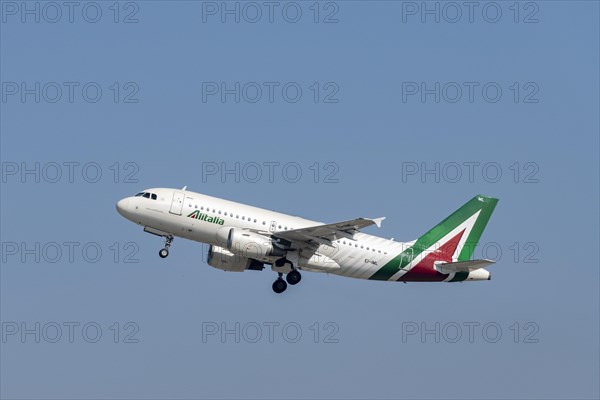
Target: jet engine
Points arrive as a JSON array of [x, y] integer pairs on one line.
[[225, 260], [248, 244]]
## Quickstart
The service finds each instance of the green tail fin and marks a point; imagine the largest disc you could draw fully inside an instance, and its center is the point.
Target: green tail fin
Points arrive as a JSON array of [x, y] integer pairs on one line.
[[481, 204], [464, 225]]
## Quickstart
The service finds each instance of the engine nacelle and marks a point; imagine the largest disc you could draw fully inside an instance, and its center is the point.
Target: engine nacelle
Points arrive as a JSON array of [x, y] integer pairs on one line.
[[248, 244], [225, 260]]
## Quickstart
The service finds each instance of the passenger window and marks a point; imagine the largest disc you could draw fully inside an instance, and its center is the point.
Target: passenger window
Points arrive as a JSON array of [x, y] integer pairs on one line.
[[154, 197]]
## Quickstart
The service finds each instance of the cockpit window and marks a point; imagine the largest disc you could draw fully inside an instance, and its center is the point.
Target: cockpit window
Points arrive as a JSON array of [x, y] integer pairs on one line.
[[147, 195]]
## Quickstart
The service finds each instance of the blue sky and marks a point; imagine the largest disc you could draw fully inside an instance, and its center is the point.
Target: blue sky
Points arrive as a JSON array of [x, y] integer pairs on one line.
[[381, 149]]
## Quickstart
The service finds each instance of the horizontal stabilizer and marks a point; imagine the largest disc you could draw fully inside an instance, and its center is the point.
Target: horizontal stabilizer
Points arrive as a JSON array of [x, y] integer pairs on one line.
[[462, 266]]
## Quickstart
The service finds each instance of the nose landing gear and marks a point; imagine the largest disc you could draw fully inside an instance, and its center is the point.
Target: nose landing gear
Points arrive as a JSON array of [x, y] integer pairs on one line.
[[164, 252]]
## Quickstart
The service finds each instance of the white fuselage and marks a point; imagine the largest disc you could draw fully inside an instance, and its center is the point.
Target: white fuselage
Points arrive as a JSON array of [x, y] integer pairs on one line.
[[199, 217]]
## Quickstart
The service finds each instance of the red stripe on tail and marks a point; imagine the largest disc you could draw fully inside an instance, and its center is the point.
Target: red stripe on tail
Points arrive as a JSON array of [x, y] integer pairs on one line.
[[424, 271]]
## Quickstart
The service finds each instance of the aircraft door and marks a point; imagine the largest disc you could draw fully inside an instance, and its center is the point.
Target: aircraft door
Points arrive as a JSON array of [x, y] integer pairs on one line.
[[177, 204]]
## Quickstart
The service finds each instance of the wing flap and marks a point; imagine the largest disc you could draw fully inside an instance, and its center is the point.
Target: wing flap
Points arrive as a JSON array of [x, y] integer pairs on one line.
[[327, 233]]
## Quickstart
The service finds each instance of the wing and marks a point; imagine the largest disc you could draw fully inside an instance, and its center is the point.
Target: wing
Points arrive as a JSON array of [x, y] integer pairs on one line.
[[462, 266], [327, 233]]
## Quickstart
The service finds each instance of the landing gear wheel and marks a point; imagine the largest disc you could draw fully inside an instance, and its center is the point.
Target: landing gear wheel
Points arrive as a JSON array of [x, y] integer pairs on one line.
[[279, 285], [293, 277], [164, 252]]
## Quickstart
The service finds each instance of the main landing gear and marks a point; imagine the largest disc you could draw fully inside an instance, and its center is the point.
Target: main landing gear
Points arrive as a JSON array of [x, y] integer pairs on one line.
[[164, 252], [292, 277], [279, 285]]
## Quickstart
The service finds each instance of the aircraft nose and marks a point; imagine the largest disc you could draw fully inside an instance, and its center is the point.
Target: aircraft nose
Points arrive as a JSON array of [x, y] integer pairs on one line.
[[122, 206]]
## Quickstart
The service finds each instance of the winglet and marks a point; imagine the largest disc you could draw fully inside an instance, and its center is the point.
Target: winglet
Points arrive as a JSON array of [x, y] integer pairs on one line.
[[183, 188], [378, 221]]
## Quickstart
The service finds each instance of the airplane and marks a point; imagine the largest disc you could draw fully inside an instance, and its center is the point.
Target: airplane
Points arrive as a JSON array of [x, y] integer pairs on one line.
[[242, 237]]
